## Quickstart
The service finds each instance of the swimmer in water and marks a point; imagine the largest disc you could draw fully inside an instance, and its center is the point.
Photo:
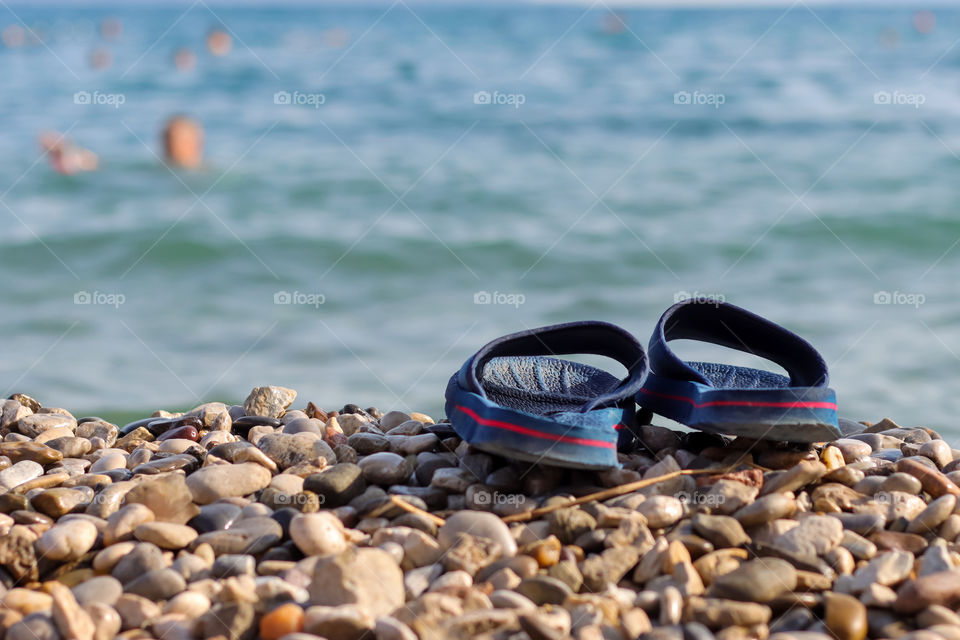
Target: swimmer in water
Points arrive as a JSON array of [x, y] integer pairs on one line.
[[184, 59], [183, 142], [219, 42], [65, 157]]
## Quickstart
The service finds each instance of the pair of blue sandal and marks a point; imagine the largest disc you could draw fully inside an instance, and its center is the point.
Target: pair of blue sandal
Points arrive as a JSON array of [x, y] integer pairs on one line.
[[513, 399]]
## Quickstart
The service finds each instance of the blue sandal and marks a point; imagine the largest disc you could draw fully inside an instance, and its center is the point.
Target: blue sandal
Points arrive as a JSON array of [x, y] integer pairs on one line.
[[734, 400], [511, 399]]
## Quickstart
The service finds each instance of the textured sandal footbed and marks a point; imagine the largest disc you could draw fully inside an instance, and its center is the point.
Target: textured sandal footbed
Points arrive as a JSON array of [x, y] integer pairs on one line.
[[542, 385], [725, 376]]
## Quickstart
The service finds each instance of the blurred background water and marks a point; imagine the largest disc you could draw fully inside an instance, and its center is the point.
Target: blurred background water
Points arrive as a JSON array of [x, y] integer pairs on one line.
[[571, 163]]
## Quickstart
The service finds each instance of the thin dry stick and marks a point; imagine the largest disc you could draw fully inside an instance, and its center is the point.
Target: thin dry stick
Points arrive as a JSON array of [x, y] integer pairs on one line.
[[403, 504], [606, 494]]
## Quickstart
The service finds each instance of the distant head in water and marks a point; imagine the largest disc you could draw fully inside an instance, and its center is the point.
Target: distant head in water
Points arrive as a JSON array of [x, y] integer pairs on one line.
[[183, 142], [101, 59], [219, 42], [111, 28], [184, 59]]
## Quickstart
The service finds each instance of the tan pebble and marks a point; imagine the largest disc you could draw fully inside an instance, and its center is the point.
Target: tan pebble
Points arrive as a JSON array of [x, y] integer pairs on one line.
[[91, 480], [848, 476], [937, 614], [111, 459], [205, 551], [47, 481], [135, 611], [72, 621], [121, 524], [934, 482], [717, 563], [108, 501], [688, 580], [832, 458], [106, 560], [68, 540], [950, 529], [845, 616], [938, 451], [172, 626], [318, 533], [189, 603], [878, 595], [676, 553], [661, 511], [766, 509], [288, 483], [175, 445], [27, 601], [456, 581], [106, 620], [797, 476], [252, 454], [671, 606], [841, 560], [8, 618], [546, 552], [214, 438], [933, 515], [505, 579], [718, 614], [222, 422], [811, 581], [651, 564], [165, 535], [635, 622], [946, 631], [53, 434]]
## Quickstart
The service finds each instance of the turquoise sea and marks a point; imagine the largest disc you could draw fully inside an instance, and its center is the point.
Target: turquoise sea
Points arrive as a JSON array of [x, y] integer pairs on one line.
[[388, 187]]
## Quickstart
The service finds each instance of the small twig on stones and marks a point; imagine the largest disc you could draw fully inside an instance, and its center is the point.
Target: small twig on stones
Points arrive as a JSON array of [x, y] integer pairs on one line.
[[606, 494], [403, 504]]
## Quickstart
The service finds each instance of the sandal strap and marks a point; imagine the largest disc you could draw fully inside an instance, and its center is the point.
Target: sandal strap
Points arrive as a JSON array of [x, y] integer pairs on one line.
[[730, 326], [590, 337]]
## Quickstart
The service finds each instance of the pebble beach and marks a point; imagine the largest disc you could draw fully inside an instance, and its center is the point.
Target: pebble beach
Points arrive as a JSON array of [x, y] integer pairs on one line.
[[280, 519]]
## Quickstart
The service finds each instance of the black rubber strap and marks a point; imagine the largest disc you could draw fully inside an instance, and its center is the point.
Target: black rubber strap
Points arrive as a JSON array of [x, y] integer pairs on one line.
[[730, 326], [591, 337]]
